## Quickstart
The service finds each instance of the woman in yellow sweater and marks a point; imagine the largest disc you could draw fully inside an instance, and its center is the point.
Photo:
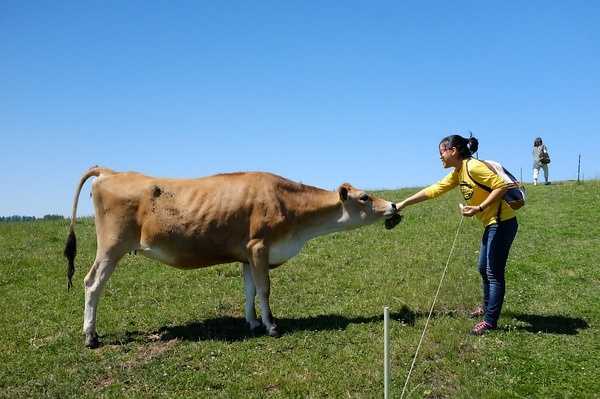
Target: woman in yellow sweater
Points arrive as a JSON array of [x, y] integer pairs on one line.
[[482, 190]]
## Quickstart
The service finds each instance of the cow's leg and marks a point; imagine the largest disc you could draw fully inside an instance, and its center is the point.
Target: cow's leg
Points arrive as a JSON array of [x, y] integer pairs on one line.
[[259, 266], [94, 281], [250, 291]]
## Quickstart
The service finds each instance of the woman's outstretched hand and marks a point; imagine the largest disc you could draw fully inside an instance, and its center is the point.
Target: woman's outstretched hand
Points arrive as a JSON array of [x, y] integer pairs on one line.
[[400, 205]]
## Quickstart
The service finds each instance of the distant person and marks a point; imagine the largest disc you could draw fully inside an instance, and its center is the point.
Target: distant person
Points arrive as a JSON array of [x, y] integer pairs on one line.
[[497, 217], [541, 159]]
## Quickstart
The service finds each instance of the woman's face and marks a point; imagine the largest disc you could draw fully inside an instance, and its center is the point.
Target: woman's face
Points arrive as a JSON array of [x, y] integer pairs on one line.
[[449, 156]]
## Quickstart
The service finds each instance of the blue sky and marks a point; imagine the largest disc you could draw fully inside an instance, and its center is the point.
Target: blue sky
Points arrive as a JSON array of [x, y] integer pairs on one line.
[[320, 92]]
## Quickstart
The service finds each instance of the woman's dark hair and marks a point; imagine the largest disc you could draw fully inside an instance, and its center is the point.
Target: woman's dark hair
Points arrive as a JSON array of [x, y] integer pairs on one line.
[[465, 146], [537, 142]]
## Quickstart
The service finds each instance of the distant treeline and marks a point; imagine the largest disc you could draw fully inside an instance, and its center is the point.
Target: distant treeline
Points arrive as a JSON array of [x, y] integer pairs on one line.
[[19, 218]]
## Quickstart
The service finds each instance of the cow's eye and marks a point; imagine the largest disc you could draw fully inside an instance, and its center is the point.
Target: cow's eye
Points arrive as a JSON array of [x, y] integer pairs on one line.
[[364, 197]]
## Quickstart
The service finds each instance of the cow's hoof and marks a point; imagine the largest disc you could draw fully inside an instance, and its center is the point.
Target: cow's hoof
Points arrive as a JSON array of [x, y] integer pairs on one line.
[[273, 332], [256, 328], [254, 325], [91, 341]]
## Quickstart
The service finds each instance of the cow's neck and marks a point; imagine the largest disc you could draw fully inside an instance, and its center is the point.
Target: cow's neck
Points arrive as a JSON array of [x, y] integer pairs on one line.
[[315, 213], [322, 214]]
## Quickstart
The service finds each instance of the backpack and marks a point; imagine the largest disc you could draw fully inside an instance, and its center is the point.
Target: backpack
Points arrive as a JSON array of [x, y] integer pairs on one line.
[[544, 156], [515, 195]]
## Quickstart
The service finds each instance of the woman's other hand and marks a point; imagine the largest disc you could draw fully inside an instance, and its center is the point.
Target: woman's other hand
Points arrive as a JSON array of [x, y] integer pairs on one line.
[[469, 211]]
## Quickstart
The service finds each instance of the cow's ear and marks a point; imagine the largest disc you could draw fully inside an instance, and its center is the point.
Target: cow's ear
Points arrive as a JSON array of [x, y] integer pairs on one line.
[[343, 191]]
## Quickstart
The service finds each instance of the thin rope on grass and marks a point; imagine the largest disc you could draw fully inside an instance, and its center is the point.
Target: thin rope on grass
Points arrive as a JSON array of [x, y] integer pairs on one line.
[[432, 306]]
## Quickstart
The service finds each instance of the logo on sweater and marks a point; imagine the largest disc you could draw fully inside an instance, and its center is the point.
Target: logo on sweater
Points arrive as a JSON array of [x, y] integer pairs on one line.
[[466, 189]]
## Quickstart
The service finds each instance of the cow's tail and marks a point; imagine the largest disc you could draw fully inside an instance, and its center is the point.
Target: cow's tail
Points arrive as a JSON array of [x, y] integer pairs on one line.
[[71, 245]]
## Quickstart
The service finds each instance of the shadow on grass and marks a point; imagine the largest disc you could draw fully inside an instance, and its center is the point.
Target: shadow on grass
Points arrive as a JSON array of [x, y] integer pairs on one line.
[[235, 328], [551, 324]]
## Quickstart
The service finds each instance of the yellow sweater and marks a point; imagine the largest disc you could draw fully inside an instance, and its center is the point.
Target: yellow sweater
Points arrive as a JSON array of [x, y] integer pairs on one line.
[[473, 194]]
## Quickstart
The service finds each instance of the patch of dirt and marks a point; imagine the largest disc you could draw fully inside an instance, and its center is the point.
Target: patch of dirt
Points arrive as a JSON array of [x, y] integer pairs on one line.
[[149, 352], [38, 342], [103, 382], [142, 355], [272, 388]]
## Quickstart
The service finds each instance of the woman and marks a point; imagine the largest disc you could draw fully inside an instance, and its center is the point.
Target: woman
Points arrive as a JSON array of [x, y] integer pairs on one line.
[[541, 159], [498, 218]]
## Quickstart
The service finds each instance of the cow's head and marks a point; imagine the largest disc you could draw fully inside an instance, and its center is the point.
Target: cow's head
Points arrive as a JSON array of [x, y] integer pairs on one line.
[[363, 208]]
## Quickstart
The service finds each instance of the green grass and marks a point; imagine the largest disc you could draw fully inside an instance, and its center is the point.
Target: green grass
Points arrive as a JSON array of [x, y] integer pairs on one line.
[[172, 333]]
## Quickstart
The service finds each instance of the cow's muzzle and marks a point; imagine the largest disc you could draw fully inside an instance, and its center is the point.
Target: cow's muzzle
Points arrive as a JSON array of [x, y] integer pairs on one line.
[[393, 220]]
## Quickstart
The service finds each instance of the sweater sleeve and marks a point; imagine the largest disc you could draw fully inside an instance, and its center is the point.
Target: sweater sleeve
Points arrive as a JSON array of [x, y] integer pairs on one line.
[[442, 186]]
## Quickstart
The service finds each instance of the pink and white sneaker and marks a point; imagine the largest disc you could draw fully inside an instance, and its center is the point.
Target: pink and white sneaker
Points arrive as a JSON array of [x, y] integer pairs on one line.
[[481, 327]]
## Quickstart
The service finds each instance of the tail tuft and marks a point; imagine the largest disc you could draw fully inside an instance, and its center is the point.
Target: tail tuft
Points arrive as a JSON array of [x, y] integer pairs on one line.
[[70, 252]]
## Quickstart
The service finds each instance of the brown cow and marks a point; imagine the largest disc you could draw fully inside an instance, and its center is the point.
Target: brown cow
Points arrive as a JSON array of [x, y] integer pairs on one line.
[[259, 219]]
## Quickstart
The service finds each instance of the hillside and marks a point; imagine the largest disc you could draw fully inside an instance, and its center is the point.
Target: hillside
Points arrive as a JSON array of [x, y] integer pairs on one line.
[[173, 333]]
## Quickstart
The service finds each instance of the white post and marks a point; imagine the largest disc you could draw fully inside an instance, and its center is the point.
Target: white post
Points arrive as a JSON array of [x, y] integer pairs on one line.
[[386, 355]]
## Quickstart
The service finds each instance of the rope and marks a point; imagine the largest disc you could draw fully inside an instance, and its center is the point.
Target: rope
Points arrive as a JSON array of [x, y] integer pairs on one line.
[[432, 305]]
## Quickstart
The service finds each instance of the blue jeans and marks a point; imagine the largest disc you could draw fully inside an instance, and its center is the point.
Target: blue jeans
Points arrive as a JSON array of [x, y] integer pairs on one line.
[[495, 245]]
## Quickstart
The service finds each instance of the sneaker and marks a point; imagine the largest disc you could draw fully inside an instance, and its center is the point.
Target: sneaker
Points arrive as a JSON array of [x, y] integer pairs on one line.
[[477, 312], [481, 327]]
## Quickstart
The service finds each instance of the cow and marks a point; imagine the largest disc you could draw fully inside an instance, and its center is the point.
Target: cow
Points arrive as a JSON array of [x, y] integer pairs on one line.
[[256, 218]]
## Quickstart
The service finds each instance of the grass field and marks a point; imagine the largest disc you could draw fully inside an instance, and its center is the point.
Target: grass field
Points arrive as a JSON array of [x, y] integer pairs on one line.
[[172, 333]]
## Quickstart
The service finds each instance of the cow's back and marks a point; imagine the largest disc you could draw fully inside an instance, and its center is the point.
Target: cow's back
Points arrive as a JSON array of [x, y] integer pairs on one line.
[[191, 222]]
